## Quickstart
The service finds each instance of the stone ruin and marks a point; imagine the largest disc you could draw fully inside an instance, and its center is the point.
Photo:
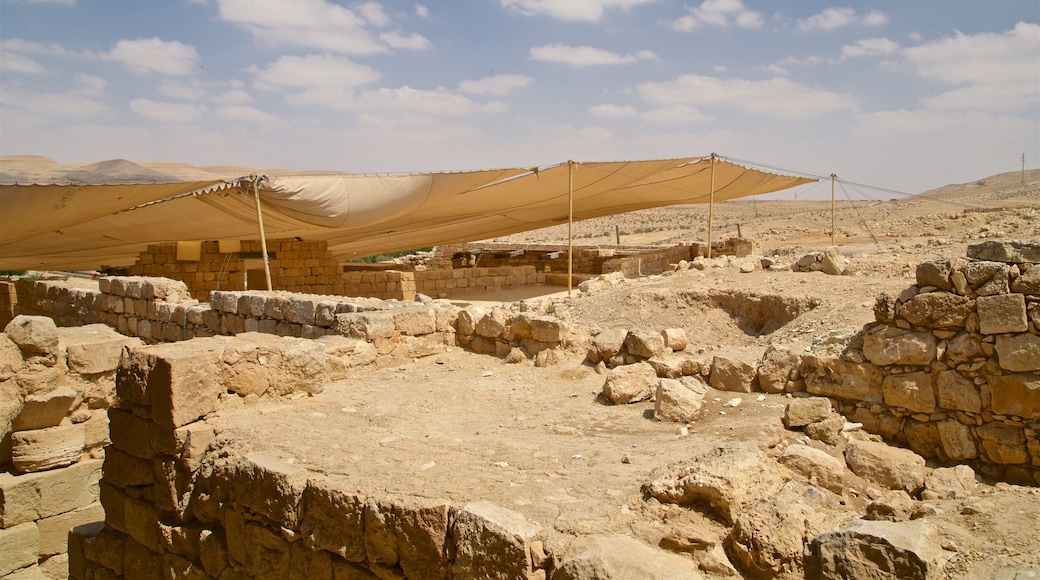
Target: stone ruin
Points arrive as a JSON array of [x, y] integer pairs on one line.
[[951, 369]]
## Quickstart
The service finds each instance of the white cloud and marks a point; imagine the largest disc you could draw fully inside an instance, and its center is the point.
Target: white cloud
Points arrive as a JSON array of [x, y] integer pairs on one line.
[[80, 101], [675, 114], [155, 55], [422, 11], [869, 47], [414, 41], [571, 10], [585, 55], [779, 96], [11, 62], [875, 18], [316, 70], [233, 97], [180, 90], [317, 24], [242, 113], [63, 2], [495, 85], [996, 71], [613, 111], [166, 112], [385, 101], [719, 14], [829, 19], [23, 46]]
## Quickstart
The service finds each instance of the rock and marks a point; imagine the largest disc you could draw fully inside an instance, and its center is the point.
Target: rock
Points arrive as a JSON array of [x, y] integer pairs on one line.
[[885, 308], [515, 356], [1018, 353], [644, 343], [19, 547], [724, 481], [621, 557], [890, 345], [834, 377], [717, 562], [767, 540], [803, 411], [817, 467], [1011, 252], [956, 482], [732, 375], [46, 410], [940, 310], [548, 329], [776, 368], [1003, 444], [1002, 313], [668, 366], [1027, 283], [956, 440], [492, 542], [828, 431], [677, 402], [957, 392], [94, 348], [608, 343], [833, 262], [891, 467], [1015, 394], [913, 391], [630, 383], [935, 273], [674, 338], [34, 335], [963, 348], [894, 506], [691, 537], [876, 549], [43, 449]]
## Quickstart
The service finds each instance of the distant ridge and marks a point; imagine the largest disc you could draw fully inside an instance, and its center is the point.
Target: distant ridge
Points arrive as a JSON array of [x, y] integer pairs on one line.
[[1000, 187]]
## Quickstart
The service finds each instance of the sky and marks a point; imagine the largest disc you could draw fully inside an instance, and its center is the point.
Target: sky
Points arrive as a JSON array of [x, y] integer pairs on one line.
[[903, 95]]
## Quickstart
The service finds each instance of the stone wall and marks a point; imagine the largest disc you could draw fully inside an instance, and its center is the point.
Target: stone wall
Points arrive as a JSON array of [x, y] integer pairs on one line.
[[8, 301], [182, 501], [951, 368], [438, 282], [56, 385], [647, 263], [539, 256], [296, 265]]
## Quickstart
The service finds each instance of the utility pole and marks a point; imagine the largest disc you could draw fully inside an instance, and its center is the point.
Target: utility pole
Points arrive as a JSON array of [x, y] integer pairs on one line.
[[1023, 168]]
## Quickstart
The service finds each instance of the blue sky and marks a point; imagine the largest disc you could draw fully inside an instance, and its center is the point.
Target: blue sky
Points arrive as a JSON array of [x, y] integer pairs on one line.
[[898, 94]]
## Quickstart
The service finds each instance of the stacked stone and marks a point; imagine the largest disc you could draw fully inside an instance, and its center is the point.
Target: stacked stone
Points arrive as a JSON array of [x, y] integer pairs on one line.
[[514, 332], [648, 262], [952, 367], [385, 284], [438, 282], [181, 501], [55, 388], [66, 304], [8, 301], [829, 261]]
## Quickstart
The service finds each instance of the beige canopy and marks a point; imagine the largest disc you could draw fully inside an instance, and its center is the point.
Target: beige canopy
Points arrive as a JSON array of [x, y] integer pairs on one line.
[[64, 221]]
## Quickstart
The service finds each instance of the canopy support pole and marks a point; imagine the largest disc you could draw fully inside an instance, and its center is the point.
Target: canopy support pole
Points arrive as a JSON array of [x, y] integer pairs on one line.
[[711, 203], [263, 237], [570, 226], [833, 178]]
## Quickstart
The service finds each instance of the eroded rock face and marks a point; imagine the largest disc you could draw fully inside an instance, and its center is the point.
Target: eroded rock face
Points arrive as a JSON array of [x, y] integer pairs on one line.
[[492, 542], [876, 549], [602, 557], [768, 539], [43, 449]]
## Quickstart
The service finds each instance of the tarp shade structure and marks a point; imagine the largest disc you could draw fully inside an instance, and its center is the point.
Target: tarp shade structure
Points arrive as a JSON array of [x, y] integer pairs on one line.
[[72, 227]]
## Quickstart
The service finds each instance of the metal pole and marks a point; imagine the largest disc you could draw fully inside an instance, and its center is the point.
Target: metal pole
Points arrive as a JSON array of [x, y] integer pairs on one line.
[[711, 203], [263, 237], [570, 226], [833, 178]]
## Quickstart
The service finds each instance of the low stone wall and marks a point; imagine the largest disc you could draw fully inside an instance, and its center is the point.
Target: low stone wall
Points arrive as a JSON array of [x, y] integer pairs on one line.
[[952, 366], [516, 332], [647, 263], [56, 386], [181, 501], [539, 256], [438, 282]]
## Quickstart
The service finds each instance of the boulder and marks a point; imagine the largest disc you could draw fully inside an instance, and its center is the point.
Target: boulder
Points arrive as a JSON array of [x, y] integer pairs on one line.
[[776, 368], [621, 557], [890, 345], [817, 467], [729, 374], [828, 430], [677, 402], [962, 348], [724, 481], [46, 410], [1018, 353], [492, 542], [1011, 251], [894, 505], [43, 449], [801, 412], [34, 335], [644, 343], [940, 310], [833, 262], [935, 273], [674, 338], [630, 383], [891, 467], [876, 549], [1028, 282], [609, 343], [956, 482], [767, 540]]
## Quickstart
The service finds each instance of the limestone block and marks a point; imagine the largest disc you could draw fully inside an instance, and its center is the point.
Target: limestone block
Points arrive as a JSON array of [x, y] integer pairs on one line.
[[677, 402], [491, 542], [776, 368], [382, 546], [957, 441], [33, 379], [415, 322], [142, 523], [609, 343], [54, 531], [548, 329], [668, 366], [726, 480], [1027, 283], [767, 540], [298, 310], [333, 518], [422, 527], [24, 498], [1020, 352], [367, 326], [911, 391], [644, 343], [892, 345], [130, 433], [876, 549], [674, 338], [1002, 313], [1011, 251], [270, 486], [140, 562], [951, 482], [630, 383], [492, 324], [962, 348], [935, 273], [816, 466], [56, 567], [801, 412], [621, 557], [468, 318], [1003, 444], [19, 547], [45, 410], [891, 467], [43, 449], [180, 381], [98, 351], [10, 358], [1015, 394], [833, 377], [957, 392], [833, 263], [728, 374], [940, 310], [122, 469], [34, 335]]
